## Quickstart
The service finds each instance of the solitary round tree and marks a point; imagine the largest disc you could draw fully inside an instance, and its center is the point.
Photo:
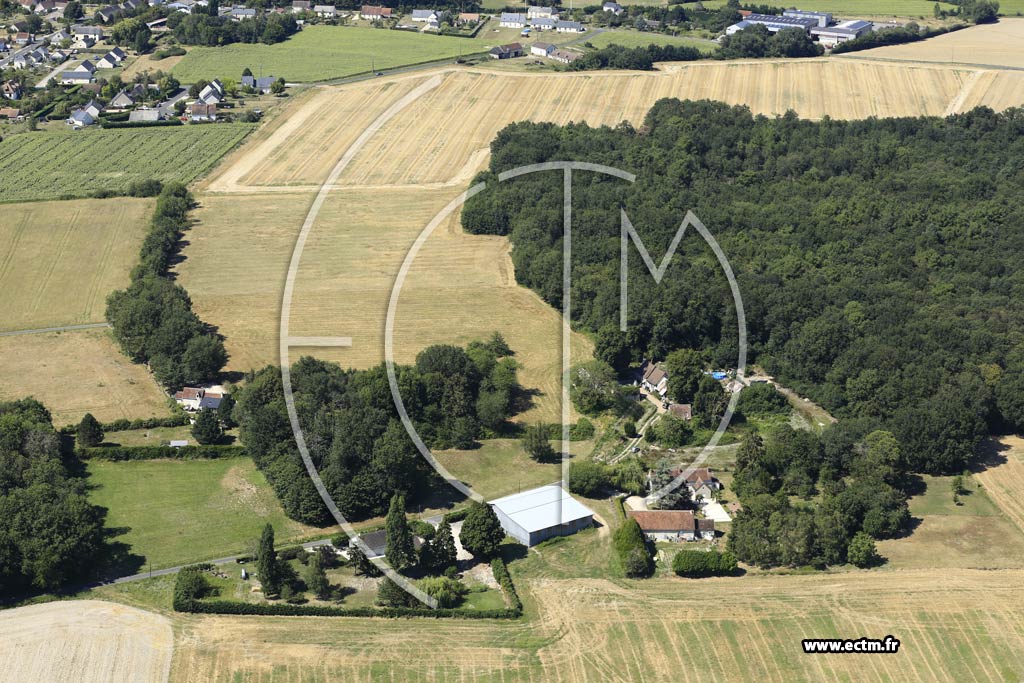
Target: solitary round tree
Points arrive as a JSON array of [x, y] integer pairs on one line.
[[89, 432], [207, 429], [536, 443], [861, 552], [481, 532]]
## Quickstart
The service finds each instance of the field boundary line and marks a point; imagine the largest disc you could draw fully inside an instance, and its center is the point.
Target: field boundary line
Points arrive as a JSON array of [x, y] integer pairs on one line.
[[65, 328]]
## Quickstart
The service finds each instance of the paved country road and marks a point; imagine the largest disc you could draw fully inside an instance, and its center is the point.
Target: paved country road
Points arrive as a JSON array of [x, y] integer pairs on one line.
[[66, 328]]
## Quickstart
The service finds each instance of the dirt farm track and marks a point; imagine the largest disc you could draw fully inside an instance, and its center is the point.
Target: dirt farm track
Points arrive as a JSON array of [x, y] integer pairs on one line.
[[97, 642]]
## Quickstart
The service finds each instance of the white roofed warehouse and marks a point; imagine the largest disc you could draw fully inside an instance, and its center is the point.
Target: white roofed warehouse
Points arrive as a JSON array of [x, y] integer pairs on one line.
[[541, 513]]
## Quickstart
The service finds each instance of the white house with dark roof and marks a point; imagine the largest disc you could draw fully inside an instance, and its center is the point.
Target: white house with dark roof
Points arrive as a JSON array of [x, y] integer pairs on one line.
[[76, 77], [654, 378], [260, 84], [569, 27], [536, 12], [542, 23], [613, 7], [122, 100], [541, 513], [512, 20], [145, 115]]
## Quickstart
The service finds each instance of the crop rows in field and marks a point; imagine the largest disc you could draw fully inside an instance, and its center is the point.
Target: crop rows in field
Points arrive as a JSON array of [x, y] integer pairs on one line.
[[52, 165]]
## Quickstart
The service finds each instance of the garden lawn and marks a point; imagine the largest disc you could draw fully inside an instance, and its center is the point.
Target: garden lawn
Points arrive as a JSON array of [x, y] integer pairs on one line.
[[320, 53], [176, 512], [67, 164]]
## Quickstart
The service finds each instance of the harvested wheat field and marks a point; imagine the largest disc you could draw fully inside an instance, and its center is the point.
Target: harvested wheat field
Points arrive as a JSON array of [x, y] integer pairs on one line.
[[999, 44], [60, 260], [420, 147], [77, 372], [1003, 477], [84, 641], [954, 625], [460, 288]]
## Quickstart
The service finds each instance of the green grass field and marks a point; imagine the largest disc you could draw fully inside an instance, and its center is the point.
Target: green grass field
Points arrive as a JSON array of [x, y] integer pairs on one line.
[[62, 164], [320, 53], [177, 512], [643, 39]]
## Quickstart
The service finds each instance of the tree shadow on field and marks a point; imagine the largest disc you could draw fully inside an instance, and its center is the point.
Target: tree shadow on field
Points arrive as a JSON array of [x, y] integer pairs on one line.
[[990, 453]]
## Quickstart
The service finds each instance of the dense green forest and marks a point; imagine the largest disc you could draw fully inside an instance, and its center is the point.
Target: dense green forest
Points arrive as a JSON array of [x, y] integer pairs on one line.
[[351, 426], [49, 532], [878, 260]]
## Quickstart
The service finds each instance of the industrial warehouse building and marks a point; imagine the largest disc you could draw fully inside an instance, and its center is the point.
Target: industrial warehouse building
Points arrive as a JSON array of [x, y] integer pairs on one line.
[[541, 513], [773, 23]]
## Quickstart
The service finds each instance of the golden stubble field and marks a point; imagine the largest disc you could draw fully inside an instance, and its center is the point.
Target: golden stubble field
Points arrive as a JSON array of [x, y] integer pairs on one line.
[[60, 260], [954, 625], [86, 641], [78, 372]]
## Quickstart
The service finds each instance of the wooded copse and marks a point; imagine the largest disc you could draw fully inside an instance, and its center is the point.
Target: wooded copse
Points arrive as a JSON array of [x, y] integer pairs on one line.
[[356, 440], [876, 259], [49, 532], [153, 320]]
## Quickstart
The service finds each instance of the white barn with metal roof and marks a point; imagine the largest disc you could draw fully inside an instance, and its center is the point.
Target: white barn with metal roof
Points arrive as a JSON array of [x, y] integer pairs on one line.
[[541, 513]]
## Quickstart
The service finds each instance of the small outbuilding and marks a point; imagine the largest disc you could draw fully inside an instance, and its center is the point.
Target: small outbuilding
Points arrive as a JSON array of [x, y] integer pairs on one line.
[[541, 513]]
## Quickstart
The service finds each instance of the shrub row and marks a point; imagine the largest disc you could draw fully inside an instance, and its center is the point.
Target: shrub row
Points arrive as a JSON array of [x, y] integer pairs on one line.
[[107, 123], [456, 515], [122, 453], [122, 425], [287, 610], [504, 579], [698, 563]]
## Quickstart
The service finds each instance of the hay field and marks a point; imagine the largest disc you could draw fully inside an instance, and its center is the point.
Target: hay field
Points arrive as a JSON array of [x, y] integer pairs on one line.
[[1000, 44], [417, 147], [1003, 477], [461, 288], [60, 260], [86, 641], [78, 372], [955, 625]]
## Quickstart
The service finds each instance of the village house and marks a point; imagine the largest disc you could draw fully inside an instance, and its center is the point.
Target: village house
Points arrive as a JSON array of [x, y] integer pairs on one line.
[[299, 6], [76, 77], [533, 12], [213, 93], [654, 379], [239, 13], [613, 7], [468, 18], [564, 56], [541, 49], [261, 85], [145, 116], [202, 113], [108, 14], [84, 42], [11, 90], [191, 398], [374, 12], [425, 15], [23, 38], [681, 411], [81, 30], [569, 27], [108, 61], [542, 24], [86, 66], [506, 51], [10, 113], [672, 525], [85, 116], [512, 20], [122, 100], [326, 11]]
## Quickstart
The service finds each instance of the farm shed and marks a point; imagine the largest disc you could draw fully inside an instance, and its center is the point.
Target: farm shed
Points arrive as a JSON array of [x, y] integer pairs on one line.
[[541, 513]]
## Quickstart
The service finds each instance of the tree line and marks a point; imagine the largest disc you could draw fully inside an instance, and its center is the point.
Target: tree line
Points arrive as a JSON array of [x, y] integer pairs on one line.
[[749, 43], [359, 446], [875, 258], [152, 320]]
